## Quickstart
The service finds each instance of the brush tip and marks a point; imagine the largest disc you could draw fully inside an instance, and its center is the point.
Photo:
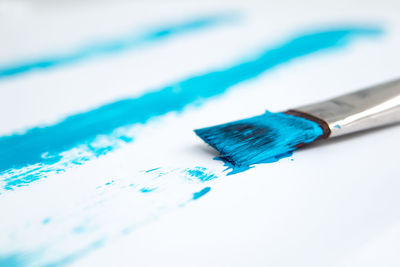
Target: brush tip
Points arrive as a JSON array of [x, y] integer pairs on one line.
[[260, 139]]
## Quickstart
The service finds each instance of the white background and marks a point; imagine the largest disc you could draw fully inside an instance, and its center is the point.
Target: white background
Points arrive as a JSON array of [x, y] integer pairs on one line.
[[335, 204]]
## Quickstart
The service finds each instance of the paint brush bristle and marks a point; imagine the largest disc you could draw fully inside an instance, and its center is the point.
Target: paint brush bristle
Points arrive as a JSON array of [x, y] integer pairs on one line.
[[260, 139]]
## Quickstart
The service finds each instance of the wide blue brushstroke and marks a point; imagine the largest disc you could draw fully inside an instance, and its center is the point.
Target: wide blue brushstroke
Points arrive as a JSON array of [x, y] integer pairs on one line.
[[118, 45], [261, 139], [43, 145]]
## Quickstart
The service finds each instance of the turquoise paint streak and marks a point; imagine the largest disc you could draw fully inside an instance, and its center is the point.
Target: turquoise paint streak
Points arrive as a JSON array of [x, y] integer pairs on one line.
[[201, 193], [41, 148], [200, 173], [12, 261], [46, 220], [112, 46], [147, 189]]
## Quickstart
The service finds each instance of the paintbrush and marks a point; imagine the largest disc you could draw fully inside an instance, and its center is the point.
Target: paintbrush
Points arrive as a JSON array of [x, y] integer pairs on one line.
[[272, 136]]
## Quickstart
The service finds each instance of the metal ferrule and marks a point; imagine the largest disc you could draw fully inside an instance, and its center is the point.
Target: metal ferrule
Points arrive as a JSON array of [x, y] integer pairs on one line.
[[365, 109]]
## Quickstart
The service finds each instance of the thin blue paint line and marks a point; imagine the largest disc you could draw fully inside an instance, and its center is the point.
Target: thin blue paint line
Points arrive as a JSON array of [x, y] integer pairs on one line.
[[201, 193], [27, 149], [154, 169], [118, 45]]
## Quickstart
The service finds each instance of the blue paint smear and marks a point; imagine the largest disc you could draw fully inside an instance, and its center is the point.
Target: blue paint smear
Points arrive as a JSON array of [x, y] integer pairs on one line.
[[201, 193], [42, 145], [46, 220], [79, 229], [13, 260], [151, 170], [201, 174], [109, 183], [128, 42], [261, 139], [147, 189]]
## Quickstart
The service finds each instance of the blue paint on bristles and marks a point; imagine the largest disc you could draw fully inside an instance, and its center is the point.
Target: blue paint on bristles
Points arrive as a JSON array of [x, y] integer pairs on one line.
[[261, 139]]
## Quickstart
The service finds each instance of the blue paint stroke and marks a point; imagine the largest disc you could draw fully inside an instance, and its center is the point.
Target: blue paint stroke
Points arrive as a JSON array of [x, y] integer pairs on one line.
[[147, 189], [200, 173], [46, 220], [261, 139], [118, 45], [151, 170], [201, 193], [170, 188], [109, 183], [12, 260], [42, 147]]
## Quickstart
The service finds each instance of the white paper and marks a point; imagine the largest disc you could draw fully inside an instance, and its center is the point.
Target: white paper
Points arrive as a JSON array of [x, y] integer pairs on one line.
[[331, 204]]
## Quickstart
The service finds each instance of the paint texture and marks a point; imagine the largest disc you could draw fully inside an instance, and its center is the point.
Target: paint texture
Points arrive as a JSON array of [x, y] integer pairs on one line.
[[67, 228], [108, 47], [201, 193], [30, 156], [200, 173], [260, 139]]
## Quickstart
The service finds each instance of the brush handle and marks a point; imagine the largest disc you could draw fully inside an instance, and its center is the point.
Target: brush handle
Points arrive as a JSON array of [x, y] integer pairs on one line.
[[365, 109]]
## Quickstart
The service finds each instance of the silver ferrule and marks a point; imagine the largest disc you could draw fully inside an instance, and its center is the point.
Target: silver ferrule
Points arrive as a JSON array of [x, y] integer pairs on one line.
[[365, 109]]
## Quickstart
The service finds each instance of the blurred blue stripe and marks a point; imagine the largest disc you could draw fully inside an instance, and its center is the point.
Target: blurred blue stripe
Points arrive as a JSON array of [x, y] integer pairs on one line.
[[118, 45]]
